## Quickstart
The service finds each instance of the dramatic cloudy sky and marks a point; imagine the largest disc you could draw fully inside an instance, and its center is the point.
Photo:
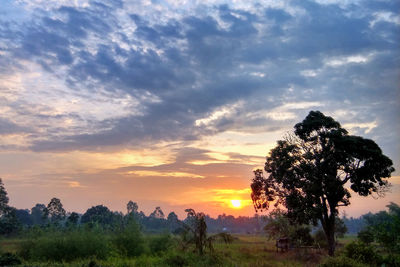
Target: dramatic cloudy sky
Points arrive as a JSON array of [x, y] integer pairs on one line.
[[173, 103]]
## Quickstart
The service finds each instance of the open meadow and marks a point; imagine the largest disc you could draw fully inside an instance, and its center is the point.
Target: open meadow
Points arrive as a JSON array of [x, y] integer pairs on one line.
[[244, 250]]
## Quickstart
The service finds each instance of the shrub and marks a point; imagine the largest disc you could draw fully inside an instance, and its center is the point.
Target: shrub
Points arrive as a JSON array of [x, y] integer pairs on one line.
[[362, 252], [366, 236], [67, 246], [159, 244], [129, 242], [320, 238], [341, 262], [8, 259]]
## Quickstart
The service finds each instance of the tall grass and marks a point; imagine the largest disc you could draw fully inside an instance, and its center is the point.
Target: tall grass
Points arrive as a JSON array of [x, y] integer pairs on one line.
[[67, 246]]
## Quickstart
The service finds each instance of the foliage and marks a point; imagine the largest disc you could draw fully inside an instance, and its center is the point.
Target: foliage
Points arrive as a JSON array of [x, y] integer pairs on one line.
[[341, 261], [366, 236], [38, 214], [160, 243], [362, 252], [73, 219], [129, 241], [320, 238], [3, 198], [24, 217], [157, 213], [308, 171], [278, 225], [55, 211], [9, 259], [384, 226], [66, 246], [98, 214], [340, 228], [9, 223], [132, 207], [198, 230]]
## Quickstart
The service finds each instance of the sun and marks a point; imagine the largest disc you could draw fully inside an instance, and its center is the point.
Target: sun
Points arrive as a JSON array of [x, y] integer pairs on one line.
[[236, 203]]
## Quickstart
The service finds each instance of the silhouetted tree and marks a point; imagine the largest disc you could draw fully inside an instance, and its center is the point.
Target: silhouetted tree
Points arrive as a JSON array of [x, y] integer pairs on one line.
[[98, 214], [157, 213], [55, 211], [24, 217], [132, 207], [308, 171], [198, 228], [38, 214], [73, 219], [3, 198], [9, 222]]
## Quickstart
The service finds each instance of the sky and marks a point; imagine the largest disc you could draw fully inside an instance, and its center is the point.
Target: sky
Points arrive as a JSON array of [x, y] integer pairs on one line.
[[174, 103]]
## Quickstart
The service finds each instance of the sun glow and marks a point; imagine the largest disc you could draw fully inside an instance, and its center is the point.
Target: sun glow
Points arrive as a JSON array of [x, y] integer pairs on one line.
[[236, 203]]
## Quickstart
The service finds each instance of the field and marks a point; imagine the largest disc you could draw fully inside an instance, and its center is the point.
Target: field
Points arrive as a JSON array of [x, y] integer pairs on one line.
[[245, 250]]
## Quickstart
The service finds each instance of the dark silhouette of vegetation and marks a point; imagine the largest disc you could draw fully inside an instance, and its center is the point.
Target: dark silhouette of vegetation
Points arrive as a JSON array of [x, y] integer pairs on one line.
[[308, 170], [98, 215], [3, 199], [55, 211]]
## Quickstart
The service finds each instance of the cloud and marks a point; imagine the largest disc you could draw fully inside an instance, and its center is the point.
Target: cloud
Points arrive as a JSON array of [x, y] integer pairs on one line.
[[113, 74]]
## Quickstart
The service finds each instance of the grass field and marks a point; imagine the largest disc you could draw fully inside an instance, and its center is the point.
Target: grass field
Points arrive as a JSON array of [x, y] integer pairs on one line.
[[245, 250]]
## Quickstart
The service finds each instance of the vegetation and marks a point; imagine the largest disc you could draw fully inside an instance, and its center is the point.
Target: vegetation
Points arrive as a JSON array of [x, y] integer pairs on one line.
[[308, 171]]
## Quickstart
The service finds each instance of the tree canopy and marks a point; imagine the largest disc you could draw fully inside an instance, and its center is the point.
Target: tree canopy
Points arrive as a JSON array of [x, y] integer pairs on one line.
[[311, 171], [3, 198]]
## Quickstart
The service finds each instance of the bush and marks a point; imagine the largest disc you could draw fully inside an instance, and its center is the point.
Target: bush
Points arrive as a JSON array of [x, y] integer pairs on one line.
[[341, 262], [391, 260], [69, 246], [366, 236], [362, 252], [320, 238], [129, 242], [159, 244], [8, 259]]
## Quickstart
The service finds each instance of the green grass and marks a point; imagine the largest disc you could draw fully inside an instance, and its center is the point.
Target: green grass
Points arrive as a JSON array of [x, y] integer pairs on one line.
[[157, 250]]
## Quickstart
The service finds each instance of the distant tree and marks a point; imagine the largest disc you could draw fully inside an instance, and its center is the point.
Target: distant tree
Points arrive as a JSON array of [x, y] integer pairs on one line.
[[24, 217], [172, 217], [132, 207], [384, 227], [9, 223], [38, 214], [173, 221], [3, 198], [157, 213], [309, 170], [98, 214], [73, 219], [55, 211]]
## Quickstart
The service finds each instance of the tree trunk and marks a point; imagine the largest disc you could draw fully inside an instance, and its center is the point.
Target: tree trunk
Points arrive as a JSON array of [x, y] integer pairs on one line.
[[331, 241], [329, 229]]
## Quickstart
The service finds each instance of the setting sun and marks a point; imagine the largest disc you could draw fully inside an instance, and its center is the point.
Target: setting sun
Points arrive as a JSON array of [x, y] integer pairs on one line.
[[236, 203]]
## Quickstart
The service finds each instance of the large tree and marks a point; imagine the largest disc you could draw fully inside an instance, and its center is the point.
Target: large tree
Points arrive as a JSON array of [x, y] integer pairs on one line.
[[312, 171]]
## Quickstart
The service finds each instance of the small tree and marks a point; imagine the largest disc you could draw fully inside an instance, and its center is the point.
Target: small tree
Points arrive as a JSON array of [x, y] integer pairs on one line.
[[198, 229], [310, 170]]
